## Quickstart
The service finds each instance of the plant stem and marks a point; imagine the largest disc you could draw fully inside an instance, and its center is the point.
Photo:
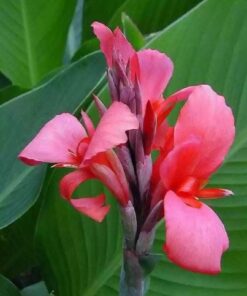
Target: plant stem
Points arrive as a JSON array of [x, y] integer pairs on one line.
[[133, 280]]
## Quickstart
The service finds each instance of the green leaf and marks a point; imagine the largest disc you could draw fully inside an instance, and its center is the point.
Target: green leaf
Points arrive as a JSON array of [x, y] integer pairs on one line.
[[21, 119], [10, 92], [75, 32], [151, 16], [97, 10], [7, 288], [32, 37], [208, 45], [132, 33], [4, 82], [87, 47], [17, 245], [38, 289]]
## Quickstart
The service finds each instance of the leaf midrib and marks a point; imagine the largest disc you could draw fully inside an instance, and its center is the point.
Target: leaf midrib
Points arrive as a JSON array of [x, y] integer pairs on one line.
[[28, 43]]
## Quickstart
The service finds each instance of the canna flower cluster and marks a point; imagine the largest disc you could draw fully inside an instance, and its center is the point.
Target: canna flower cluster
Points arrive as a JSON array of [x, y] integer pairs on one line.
[[118, 153]]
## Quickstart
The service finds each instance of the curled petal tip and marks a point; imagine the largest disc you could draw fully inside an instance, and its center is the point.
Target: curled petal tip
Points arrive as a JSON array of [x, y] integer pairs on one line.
[[227, 192]]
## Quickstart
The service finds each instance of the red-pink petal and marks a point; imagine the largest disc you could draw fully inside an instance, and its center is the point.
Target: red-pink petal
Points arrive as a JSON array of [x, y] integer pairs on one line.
[[111, 130], [207, 117], [181, 95], [110, 179], [195, 237], [180, 164], [92, 207], [112, 43], [106, 37], [155, 71], [88, 123], [121, 46], [55, 141], [71, 181]]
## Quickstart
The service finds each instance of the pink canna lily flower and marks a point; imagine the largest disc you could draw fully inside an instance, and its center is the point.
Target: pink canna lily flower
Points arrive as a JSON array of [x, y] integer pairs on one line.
[[190, 152], [203, 134], [118, 153], [64, 142]]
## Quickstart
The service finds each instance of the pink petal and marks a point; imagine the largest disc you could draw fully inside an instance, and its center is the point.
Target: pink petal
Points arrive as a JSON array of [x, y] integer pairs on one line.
[[121, 46], [88, 123], [109, 178], [71, 181], [91, 207], [112, 43], [55, 141], [180, 164], [207, 117], [106, 38], [117, 168], [195, 237], [155, 71], [111, 130], [181, 95]]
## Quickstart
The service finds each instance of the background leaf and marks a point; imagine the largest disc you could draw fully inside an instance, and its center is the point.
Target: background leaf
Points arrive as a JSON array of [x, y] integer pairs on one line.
[[22, 117], [151, 16], [7, 288], [32, 38], [132, 33], [208, 45], [38, 289], [97, 10], [75, 32]]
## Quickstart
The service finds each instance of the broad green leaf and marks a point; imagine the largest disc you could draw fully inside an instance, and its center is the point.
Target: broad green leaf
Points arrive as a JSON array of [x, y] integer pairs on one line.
[[17, 244], [132, 33], [87, 47], [97, 10], [22, 117], [7, 288], [32, 38], [151, 16], [75, 32], [10, 92], [208, 45]]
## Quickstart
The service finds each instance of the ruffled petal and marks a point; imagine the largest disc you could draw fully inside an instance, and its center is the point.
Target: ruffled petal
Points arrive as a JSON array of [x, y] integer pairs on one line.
[[106, 38], [207, 117], [92, 207], [111, 130], [55, 141], [195, 237], [154, 73]]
